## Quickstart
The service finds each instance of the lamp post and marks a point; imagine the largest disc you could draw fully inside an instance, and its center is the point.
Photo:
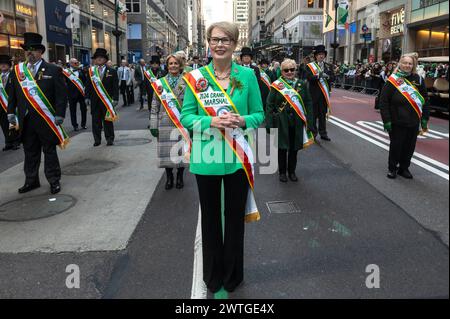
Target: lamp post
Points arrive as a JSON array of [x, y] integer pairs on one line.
[[117, 33], [334, 45]]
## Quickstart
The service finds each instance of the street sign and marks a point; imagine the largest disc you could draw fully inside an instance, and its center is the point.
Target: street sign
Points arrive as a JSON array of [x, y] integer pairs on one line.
[[364, 28]]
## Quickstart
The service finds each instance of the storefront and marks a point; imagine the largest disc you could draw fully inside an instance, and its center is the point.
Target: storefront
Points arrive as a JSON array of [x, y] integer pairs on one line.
[[429, 27], [390, 42], [16, 18], [59, 36]]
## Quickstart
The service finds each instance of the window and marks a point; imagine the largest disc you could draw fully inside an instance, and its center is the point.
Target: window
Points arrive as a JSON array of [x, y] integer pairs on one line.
[[134, 31], [7, 13], [133, 6], [310, 3]]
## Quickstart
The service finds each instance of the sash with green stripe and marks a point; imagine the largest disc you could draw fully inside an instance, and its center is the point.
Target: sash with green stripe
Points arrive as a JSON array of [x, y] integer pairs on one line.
[[111, 114], [315, 69], [172, 107], [148, 73], [266, 79], [410, 93], [75, 80], [296, 102], [202, 84], [39, 102], [4, 104]]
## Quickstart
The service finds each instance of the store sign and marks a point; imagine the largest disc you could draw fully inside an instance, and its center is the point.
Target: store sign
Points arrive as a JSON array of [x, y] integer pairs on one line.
[[310, 18], [398, 22], [24, 9], [56, 16]]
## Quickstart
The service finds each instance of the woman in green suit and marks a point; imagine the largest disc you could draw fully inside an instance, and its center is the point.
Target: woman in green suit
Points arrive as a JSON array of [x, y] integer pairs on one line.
[[289, 109], [223, 97]]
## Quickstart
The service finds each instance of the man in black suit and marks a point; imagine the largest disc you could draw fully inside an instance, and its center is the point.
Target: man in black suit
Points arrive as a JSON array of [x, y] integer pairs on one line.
[[247, 61], [12, 140], [155, 64], [76, 95], [36, 132], [320, 105], [140, 80], [110, 82]]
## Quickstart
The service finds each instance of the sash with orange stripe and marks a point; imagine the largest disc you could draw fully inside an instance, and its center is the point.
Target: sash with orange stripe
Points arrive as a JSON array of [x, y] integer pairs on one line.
[[4, 105], [410, 93], [148, 73], [172, 107], [39, 102], [315, 69], [265, 78], [296, 102], [75, 80], [94, 75], [203, 84]]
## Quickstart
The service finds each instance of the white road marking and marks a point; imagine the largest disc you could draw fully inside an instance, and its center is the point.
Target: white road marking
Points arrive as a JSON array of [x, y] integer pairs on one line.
[[380, 129], [199, 290], [430, 133], [352, 98], [384, 144]]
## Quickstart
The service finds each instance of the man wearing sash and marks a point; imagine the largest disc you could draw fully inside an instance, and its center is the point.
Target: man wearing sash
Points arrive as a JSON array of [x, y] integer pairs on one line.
[[247, 61], [222, 100], [76, 82], [289, 109], [102, 91], [155, 72], [39, 95], [12, 140], [320, 75], [405, 113], [266, 80]]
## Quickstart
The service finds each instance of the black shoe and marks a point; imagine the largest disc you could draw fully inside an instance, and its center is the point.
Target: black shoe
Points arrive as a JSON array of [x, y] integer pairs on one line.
[[405, 173], [55, 188], [392, 174], [7, 148], [97, 144], [283, 178], [169, 182], [180, 183], [110, 143], [293, 177], [75, 129], [325, 138], [28, 187], [84, 127]]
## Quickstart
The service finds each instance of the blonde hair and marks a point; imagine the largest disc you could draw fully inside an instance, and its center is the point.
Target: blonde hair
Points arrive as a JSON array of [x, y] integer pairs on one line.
[[230, 29], [413, 57], [178, 59], [288, 62]]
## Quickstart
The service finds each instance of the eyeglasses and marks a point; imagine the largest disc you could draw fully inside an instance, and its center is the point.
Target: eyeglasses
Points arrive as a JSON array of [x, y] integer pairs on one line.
[[289, 70], [215, 41]]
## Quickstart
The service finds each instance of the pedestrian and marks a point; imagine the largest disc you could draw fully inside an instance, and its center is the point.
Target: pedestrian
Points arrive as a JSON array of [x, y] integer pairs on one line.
[[266, 80], [231, 93], [169, 94], [139, 76], [12, 138], [289, 109], [76, 87], [38, 94], [124, 75], [154, 72], [247, 61], [404, 111], [182, 55], [102, 92], [320, 75], [131, 85], [196, 63]]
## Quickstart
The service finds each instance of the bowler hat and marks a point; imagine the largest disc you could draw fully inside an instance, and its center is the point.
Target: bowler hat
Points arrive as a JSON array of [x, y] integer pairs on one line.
[[155, 59], [32, 41], [320, 49], [100, 52], [246, 51], [5, 59]]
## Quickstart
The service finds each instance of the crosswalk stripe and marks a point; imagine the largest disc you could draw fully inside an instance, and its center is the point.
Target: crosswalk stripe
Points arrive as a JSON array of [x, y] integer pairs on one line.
[[379, 129], [431, 133]]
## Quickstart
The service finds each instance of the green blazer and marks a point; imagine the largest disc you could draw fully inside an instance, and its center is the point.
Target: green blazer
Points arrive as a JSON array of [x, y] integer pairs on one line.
[[208, 140], [280, 114]]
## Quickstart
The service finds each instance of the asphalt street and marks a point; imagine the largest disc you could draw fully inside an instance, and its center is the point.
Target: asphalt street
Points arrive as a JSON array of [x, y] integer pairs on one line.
[[346, 216]]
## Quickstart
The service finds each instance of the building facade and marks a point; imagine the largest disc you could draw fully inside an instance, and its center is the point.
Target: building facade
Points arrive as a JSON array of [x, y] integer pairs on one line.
[[241, 19], [198, 31]]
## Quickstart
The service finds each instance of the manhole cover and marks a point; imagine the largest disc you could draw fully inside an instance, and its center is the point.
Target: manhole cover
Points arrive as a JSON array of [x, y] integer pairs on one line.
[[37, 207], [282, 207], [88, 167], [132, 141]]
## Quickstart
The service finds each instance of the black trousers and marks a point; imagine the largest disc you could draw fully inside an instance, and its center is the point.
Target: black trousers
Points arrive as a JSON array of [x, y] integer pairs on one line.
[[33, 144], [289, 156], [320, 115], [403, 144], [130, 93], [73, 111], [11, 136], [124, 91], [98, 123], [142, 93], [223, 257]]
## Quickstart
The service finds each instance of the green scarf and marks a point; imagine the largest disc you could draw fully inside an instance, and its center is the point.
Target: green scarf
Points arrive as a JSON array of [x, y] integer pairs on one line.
[[402, 74], [173, 80]]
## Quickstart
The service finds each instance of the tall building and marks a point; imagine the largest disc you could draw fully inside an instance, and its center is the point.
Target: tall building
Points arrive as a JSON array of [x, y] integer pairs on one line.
[[256, 24], [183, 24], [240, 17], [198, 28]]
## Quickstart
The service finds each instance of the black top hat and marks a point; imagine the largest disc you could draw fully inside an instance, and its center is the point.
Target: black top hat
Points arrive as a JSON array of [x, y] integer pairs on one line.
[[100, 52], [5, 59], [320, 49], [246, 51], [155, 59], [32, 41]]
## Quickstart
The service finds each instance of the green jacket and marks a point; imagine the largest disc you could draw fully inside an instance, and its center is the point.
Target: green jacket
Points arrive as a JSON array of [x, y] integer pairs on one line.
[[280, 114], [207, 140]]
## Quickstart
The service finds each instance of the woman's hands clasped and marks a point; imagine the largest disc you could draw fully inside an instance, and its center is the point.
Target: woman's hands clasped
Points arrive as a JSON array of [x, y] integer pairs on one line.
[[228, 120]]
